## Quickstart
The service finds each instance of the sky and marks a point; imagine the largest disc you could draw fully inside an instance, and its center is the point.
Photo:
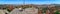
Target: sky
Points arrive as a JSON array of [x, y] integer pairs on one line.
[[29, 1]]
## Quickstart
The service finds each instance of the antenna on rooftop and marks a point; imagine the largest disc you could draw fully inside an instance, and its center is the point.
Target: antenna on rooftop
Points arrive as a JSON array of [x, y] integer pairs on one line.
[[24, 2]]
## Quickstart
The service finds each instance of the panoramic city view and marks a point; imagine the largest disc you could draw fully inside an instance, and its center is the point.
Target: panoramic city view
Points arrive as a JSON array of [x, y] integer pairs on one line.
[[29, 6]]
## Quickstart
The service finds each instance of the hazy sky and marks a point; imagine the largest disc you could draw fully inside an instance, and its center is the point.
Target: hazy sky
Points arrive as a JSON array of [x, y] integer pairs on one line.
[[29, 1]]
